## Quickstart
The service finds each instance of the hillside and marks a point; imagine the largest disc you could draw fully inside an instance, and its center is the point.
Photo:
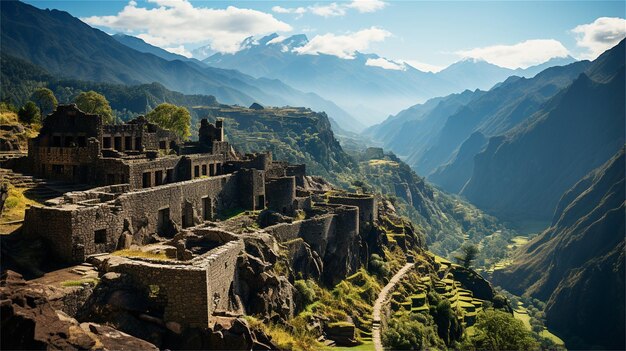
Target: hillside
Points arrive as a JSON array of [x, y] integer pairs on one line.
[[66, 47], [577, 265], [522, 174]]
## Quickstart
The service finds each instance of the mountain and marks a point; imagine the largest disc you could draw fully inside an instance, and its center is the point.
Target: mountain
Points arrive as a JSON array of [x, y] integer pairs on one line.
[[351, 83], [577, 264], [479, 74], [521, 174], [141, 46], [360, 83], [66, 46]]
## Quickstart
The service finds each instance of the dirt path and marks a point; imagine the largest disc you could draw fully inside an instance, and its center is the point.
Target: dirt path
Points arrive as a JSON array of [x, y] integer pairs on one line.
[[378, 305]]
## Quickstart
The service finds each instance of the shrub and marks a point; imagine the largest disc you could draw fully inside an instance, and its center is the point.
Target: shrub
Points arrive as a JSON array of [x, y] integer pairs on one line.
[[306, 292]]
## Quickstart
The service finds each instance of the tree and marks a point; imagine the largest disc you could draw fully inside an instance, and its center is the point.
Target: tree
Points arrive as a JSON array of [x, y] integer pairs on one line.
[[45, 100], [172, 117], [497, 330], [92, 102], [403, 333], [29, 113], [468, 255]]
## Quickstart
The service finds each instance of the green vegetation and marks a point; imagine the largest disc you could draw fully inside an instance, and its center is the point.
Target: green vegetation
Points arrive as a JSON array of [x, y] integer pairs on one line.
[[411, 331], [93, 102], [141, 254], [29, 113], [468, 255], [45, 100], [497, 330], [296, 338], [172, 117], [81, 282]]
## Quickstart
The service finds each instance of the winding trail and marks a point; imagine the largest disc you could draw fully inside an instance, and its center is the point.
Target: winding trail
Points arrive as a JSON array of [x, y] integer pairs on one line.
[[378, 305]]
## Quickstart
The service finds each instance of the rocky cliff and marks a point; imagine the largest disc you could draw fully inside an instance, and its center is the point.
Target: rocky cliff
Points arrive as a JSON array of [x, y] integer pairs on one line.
[[577, 265]]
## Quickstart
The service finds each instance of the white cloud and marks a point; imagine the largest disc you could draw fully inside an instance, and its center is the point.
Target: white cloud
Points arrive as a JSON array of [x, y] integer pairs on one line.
[[422, 66], [520, 55], [385, 64], [600, 35], [343, 46], [179, 50], [364, 6], [177, 22], [331, 10], [334, 9]]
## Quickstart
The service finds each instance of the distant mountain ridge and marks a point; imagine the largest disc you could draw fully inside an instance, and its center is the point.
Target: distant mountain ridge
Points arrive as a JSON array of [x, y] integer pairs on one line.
[[357, 84], [68, 47]]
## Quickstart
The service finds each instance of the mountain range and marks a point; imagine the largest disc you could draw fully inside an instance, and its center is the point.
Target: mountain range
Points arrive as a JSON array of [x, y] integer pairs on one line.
[[360, 84], [69, 48], [461, 141]]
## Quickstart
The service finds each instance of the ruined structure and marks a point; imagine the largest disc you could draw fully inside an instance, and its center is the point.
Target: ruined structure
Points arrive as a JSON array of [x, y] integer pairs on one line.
[[181, 196]]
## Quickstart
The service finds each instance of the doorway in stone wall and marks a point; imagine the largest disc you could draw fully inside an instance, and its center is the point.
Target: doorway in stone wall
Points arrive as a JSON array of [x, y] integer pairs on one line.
[[163, 221], [207, 208]]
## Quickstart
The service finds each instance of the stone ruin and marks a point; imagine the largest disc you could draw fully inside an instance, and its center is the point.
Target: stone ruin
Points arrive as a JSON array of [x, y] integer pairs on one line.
[[181, 197]]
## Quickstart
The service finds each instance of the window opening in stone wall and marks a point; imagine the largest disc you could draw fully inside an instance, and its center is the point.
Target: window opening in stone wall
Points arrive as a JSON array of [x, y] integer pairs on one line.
[[57, 169], [106, 142], [138, 144], [118, 143], [82, 141], [69, 141], [100, 236], [158, 177], [196, 171], [56, 141], [203, 170], [146, 180], [211, 170], [128, 143]]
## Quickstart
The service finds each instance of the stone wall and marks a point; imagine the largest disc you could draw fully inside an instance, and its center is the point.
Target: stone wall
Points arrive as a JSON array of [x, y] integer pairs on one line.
[[368, 211], [93, 222], [54, 225], [281, 194], [182, 287], [194, 290]]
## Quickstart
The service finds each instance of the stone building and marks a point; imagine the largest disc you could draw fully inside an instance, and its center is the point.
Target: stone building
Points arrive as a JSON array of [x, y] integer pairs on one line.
[[77, 147], [155, 189]]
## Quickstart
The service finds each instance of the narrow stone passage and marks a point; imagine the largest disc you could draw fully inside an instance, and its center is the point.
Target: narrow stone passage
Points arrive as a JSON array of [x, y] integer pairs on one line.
[[382, 297]]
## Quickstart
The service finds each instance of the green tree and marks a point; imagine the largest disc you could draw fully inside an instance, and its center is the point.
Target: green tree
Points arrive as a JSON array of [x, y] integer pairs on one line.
[[172, 117], [497, 330], [29, 113], [92, 102], [403, 333], [468, 255], [45, 100]]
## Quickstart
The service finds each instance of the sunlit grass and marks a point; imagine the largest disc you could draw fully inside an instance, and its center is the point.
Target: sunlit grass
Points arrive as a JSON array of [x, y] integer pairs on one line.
[[142, 254]]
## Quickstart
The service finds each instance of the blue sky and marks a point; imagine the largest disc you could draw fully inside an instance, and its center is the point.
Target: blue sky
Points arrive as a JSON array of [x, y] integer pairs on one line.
[[426, 33]]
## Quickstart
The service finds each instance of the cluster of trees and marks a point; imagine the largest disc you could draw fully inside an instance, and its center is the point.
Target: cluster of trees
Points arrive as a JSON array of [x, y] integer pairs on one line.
[[43, 101]]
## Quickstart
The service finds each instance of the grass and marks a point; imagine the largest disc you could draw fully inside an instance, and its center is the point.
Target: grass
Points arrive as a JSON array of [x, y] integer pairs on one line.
[[522, 314], [142, 254], [301, 340], [14, 208], [548, 335], [383, 163], [365, 346], [81, 282]]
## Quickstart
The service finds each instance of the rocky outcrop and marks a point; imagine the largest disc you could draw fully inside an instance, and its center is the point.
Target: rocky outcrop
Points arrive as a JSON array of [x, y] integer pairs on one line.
[[30, 322], [263, 288]]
